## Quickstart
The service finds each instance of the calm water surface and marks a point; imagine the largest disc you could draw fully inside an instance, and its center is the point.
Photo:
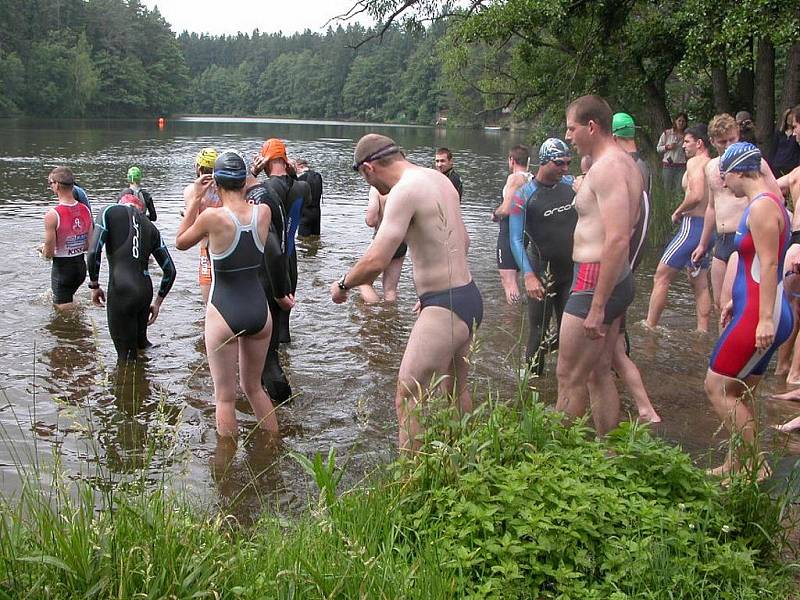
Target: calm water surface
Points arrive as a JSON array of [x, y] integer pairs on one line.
[[62, 393]]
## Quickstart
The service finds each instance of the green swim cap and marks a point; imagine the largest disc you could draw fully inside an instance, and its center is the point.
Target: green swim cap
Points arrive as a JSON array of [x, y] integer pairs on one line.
[[134, 174], [622, 125]]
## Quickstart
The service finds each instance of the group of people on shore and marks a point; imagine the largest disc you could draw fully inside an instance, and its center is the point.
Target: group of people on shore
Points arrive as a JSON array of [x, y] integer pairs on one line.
[[576, 240]]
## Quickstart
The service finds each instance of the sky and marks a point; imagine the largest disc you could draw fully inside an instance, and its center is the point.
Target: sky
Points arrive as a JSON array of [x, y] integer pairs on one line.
[[219, 17]]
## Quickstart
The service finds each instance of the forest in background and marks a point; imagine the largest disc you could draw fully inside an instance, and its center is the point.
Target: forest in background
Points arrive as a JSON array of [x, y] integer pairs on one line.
[[484, 62]]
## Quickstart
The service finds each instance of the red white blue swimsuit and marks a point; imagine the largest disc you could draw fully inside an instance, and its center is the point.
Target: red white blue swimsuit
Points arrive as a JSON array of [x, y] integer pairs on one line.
[[735, 354]]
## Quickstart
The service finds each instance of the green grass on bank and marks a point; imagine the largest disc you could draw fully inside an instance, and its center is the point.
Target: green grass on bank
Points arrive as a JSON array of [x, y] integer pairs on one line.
[[506, 503]]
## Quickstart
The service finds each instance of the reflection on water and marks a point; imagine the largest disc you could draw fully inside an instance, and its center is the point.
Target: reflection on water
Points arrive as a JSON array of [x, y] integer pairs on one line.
[[157, 414]]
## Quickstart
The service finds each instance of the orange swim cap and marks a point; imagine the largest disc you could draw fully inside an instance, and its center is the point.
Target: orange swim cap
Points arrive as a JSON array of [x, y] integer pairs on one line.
[[274, 148]]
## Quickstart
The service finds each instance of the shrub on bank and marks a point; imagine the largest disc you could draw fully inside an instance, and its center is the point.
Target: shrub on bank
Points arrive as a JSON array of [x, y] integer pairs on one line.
[[506, 503]]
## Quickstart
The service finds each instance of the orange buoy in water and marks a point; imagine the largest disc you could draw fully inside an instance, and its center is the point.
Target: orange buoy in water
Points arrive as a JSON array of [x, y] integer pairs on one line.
[[161, 122]]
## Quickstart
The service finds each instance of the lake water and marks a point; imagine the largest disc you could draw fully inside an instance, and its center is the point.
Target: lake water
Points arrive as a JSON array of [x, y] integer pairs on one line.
[[63, 394]]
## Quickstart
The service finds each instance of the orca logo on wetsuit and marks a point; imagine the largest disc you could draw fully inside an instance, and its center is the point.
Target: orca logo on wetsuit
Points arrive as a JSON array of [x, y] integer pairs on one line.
[[135, 245], [558, 209]]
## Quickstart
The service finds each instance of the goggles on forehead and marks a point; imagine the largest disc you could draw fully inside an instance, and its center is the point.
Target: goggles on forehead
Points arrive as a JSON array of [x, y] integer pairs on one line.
[[377, 155]]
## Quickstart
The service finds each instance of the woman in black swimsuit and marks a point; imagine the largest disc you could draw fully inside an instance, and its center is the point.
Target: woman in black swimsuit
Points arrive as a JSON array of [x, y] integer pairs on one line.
[[238, 326]]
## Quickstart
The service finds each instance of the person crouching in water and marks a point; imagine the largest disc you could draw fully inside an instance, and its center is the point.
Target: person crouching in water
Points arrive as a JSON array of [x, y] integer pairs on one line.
[[238, 324], [758, 318]]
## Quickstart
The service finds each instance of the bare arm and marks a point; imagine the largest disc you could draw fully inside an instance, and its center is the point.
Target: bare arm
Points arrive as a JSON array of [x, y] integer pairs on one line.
[[513, 183], [50, 224], [193, 228], [766, 231], [373, 216], [709, 225], [695, 190]]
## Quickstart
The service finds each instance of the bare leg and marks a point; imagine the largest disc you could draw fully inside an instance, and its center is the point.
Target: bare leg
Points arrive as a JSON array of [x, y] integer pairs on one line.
[[222, 350], [662, 279], [66, 306], [727, 398], [205, 290], [702, 298], [577, 355], [508, 277], [785, 363], [436, 339], [368, 294], [717, 278], [632, 379], [603, 393], [391, 278], [252, 352]]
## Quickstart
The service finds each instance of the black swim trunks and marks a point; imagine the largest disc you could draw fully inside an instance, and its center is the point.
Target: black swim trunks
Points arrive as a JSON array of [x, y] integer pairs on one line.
[[584, 283], [66, 275], [725, 246], [401, 251], [465, 301]]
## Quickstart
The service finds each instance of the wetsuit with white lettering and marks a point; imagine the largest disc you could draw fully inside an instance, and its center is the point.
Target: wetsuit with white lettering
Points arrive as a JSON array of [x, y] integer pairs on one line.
[[130, 239], [546, 217]]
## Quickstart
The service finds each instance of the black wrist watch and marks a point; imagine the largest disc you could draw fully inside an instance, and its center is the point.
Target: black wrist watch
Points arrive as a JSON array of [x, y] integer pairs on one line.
[[341, 283], [94, 286]]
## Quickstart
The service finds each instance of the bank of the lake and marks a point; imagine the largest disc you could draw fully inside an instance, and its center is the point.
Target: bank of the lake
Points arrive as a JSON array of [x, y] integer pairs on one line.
[[504, 504]]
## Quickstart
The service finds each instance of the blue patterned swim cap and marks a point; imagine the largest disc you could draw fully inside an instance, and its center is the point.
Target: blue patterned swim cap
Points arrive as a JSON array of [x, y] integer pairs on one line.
[[230, 166], [740, 157], [553, 149]]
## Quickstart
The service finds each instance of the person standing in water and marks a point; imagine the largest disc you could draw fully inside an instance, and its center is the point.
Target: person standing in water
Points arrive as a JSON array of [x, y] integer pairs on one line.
[[130, 239], [144, 201], [238, 324], [422, 208], [67, 228], [391, 274], [758, 318], [204, 165]]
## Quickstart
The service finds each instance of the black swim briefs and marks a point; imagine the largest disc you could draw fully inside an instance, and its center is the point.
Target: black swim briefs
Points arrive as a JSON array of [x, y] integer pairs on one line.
[[465, 301]]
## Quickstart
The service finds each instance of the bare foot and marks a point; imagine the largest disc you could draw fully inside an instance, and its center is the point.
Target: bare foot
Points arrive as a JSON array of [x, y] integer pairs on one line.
[[789, 426], [649, 415], [793, 395], [512, 294]]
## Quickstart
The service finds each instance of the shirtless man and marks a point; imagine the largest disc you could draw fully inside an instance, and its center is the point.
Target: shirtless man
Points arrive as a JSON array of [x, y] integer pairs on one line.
[[690, 214], [422, 208], [391, 274], [607, 204], [518, 159], [724, 210]]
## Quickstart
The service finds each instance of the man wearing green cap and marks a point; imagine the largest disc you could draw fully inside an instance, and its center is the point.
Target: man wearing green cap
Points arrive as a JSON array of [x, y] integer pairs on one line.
[[624, 130], [134, 189]]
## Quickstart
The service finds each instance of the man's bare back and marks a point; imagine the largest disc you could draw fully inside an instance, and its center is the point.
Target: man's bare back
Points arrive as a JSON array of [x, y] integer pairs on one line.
[[695, 177]]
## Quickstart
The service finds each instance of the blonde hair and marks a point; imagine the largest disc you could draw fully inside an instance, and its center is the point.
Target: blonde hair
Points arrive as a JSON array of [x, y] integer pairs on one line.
[[720, 125]]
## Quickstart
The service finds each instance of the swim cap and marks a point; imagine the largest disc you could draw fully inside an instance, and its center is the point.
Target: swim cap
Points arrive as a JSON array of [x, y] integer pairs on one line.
[[134, 174], [553, 149], [740, 157], [230, 168], [274, 148], [622, 125], [206, 158], [131, 200]]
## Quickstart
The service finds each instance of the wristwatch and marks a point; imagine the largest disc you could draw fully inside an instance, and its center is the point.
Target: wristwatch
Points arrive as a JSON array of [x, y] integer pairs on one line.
[[341, 283]]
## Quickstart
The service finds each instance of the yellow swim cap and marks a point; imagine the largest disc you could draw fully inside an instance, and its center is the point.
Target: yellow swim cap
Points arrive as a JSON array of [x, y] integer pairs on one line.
[[206, 158]]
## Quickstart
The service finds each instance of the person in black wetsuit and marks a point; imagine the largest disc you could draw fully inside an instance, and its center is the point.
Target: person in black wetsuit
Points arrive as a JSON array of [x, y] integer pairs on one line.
[[275, 281], [238, 324], [312, 210], [144, 201], [130, 239], [443, 161], [543, 212], [282, 180]]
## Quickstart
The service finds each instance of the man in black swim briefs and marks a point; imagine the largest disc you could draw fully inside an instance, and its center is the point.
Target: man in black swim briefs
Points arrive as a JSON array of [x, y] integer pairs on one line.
[[421, 208], [130, 239]]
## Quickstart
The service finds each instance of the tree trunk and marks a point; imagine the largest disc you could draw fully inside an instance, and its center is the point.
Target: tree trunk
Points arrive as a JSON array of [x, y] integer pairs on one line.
[[791, 79], [745, 85], [721, 90], [765, 94], [655, 117]]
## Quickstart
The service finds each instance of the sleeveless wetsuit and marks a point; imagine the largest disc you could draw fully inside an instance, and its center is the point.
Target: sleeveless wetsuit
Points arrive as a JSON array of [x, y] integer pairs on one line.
[[735, 354], [236, 291], [130, 239], [68, 271]]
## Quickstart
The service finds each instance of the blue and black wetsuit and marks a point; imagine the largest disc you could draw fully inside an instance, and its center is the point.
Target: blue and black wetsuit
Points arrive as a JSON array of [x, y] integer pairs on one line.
[[130, 239], [81, 196], [147, 205], [544, 218]]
